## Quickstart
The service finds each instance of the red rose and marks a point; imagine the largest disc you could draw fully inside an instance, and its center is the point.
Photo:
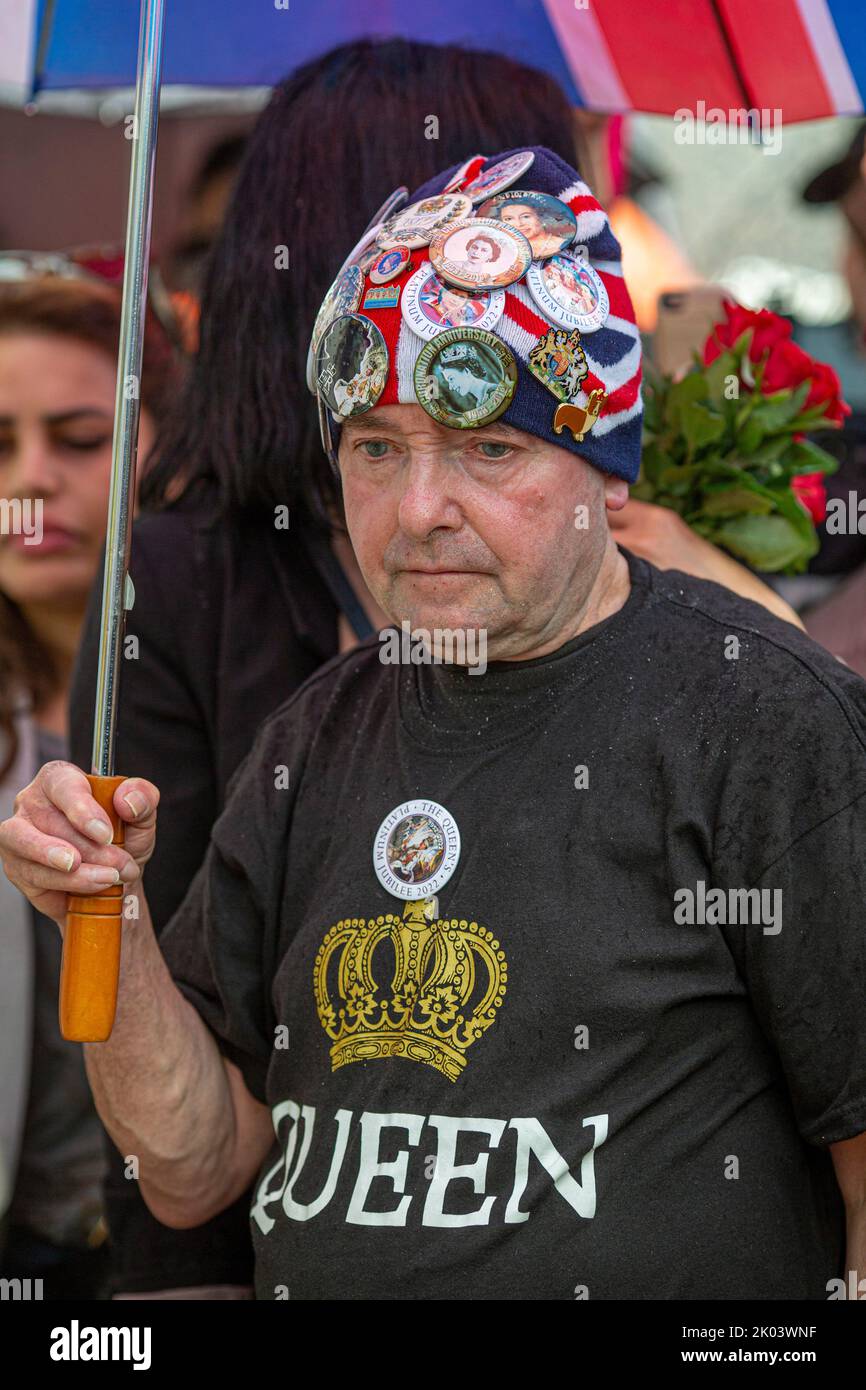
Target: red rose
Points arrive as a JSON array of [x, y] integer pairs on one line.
[[768, 329], [826, 387], [810, 490], [787, 366]]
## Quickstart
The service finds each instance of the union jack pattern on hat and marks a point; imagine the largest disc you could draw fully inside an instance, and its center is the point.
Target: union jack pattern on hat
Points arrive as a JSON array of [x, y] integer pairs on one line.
[[611, 372]]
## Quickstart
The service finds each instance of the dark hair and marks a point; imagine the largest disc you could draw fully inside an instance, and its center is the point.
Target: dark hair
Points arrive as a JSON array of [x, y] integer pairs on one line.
[[336, 138], [89, 312], [223, 158]]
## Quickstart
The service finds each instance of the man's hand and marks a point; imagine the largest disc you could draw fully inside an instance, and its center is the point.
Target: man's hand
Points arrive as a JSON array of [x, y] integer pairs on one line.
[[57, 842]]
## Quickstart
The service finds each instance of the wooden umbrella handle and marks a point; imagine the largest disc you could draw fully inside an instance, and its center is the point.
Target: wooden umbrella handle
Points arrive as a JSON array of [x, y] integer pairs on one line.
[[91, 944]]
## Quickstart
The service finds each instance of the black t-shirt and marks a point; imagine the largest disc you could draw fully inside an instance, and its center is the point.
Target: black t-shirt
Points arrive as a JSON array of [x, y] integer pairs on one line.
[[604, 1069]]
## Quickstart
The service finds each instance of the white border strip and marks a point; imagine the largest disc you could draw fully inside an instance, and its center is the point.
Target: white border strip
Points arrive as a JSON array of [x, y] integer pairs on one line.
[[830, 56], [586, 52], [17, 45]]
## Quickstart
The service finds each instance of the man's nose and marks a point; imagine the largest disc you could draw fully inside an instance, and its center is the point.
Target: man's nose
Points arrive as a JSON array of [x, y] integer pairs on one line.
[[427, 500]]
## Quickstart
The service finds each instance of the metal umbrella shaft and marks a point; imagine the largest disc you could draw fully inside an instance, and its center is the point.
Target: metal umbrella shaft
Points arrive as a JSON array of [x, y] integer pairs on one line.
[[91, 944], [128, 398]]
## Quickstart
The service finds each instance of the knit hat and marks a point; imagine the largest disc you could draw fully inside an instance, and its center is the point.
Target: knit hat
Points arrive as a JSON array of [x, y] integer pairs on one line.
[[576, 387]]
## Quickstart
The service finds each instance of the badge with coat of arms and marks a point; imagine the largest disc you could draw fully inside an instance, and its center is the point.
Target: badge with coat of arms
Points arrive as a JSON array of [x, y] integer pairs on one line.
[[559, 362]]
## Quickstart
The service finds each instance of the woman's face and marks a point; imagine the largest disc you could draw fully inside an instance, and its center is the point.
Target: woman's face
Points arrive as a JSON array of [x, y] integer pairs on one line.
[[523, 218], [56, 417], [479, 252]]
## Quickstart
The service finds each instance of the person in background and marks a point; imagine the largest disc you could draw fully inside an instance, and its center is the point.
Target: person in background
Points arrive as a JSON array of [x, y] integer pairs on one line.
[[245, 579], [183, 267], [838, 620], [58, 362]]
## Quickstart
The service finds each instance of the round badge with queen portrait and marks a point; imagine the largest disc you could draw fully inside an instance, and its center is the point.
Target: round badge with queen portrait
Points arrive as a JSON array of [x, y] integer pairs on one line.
[[416, 849], [480, 254], [465, 378], [351, 366], [570, 291], [430, 305]]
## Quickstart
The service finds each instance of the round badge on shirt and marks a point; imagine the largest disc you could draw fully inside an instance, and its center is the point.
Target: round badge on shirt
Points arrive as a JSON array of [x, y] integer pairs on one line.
[[500, 176], [548, 224], [416, 849], [480, 254], [465, 378], [415, 225], [388, 264], [351, 365], [569, 291], [431, 306]]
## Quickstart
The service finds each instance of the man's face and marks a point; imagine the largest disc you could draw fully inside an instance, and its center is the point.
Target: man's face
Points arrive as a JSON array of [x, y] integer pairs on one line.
[[473, 529]]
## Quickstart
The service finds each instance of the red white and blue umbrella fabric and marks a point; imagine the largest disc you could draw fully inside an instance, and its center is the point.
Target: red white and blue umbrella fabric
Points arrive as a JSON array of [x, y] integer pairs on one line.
[[806, 58]]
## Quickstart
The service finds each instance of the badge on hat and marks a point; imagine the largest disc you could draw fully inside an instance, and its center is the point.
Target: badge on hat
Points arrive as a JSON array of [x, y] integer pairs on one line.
[[431, 306], [500, 176], [415, 225], [416, 849], [579, 418], [559, 362], [480, 254], [387, 265], [381, 297], [568, 290], [351, 366], [548, 224], [343, 297], [465, 378], [455, 184]]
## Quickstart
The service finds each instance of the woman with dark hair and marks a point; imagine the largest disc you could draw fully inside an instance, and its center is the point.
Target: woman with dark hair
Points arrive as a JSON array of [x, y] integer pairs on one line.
[[58, 363], [245, 580]]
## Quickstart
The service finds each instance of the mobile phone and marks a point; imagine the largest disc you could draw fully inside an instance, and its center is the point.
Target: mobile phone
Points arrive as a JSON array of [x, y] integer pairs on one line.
[[685, 318]]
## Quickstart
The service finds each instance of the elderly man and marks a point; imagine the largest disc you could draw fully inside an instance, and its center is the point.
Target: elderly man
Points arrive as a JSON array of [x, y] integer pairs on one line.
[[540, 984]]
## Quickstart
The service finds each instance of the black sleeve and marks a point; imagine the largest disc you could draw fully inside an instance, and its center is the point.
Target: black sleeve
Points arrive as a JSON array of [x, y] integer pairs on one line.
[[163, 728], [807, 981], [221, 945]]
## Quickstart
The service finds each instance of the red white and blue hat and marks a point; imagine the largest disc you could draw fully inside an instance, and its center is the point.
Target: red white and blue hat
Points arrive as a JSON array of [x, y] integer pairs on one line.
[[570, 368]]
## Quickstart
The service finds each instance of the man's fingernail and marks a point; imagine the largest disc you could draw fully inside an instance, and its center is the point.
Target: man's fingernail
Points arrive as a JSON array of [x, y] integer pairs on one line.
[[98, 830], [136, 804], [61, 858], [100, 873], [129, 873]]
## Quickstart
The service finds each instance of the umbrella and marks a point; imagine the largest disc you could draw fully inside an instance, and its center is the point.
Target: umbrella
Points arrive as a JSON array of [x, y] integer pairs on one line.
[[804, 57]]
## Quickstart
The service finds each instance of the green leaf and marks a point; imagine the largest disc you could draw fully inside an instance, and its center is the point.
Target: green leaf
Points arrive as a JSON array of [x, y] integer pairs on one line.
[[737, 501], [768, 543], [806, 457], [700, 425]]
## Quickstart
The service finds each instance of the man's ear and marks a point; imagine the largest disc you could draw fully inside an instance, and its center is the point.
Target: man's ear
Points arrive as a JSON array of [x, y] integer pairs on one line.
[[615, 493]]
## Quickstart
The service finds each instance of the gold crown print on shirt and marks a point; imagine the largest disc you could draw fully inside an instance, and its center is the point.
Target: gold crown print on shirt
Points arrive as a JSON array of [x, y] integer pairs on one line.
[[447, 980]]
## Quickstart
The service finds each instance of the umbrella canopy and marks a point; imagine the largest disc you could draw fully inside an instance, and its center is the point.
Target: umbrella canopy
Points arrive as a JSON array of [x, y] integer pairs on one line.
[[805, 57]]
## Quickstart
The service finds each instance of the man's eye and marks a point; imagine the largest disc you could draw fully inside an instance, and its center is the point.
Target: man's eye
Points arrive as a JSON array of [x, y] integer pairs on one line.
[[374, 448], [490, 450]]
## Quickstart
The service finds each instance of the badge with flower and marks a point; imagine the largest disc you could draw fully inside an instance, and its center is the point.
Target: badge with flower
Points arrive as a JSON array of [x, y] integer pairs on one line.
[[726, 444]]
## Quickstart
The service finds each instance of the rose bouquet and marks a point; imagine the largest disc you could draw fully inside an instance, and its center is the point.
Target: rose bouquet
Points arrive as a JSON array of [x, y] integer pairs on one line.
[[725, 445]]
